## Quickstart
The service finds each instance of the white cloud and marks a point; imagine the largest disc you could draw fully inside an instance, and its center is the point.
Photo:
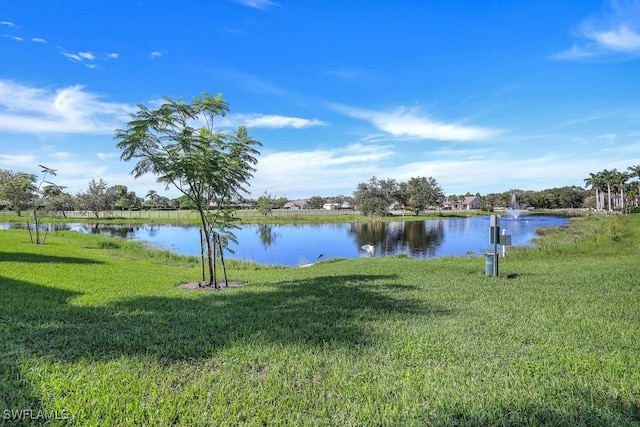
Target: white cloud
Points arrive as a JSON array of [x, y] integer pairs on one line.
[[72, 56], [621, 38], [38, 40], [78, 57], [8, 24], [574, 52], [157, 54], [16, 162], [71, 109], [411, 123], [274, 121], [317, 172], [88, 59], [616, 31], [256, 4], [87, 55]]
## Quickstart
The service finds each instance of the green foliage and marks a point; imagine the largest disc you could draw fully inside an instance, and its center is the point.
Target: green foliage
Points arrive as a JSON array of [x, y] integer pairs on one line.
[[97, 198], [266, 203], [420, 194], [613, 229], [209, 167], [109, 244], [374, 197], [316, 202], [18, 189]]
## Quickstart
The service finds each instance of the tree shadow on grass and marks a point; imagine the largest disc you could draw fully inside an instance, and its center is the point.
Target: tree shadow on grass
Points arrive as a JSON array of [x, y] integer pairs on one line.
[[338, 310], [41, 322], [25, 306], [40, 258]]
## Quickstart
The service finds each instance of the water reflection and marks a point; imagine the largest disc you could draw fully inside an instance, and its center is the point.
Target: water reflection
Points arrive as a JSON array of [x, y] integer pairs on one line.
[[108, 230], [414, 238], [267, 235]]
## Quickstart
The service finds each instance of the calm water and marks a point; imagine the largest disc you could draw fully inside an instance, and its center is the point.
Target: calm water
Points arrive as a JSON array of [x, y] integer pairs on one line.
[[302, 243]]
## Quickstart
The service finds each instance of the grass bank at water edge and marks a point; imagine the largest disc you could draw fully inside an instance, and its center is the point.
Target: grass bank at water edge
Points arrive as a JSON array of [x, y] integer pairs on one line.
[[95, 332]]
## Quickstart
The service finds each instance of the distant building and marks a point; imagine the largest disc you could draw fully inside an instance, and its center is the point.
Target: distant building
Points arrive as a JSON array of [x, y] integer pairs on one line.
[[296, 204], [331, 206], [467, 204]]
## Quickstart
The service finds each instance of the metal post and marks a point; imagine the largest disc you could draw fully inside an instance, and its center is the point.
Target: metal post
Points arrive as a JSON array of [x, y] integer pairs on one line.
[[494, 224], [503, 247]]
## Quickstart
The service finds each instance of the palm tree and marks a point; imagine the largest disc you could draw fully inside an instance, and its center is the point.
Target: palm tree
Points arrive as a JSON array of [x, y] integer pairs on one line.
[[152, 195], [596, 182], [620, 181], [631, 191], [634, 172], [608, 177]]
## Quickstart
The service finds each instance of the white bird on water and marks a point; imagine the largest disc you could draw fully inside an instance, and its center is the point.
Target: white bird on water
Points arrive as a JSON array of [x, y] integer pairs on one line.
[[369, 248]]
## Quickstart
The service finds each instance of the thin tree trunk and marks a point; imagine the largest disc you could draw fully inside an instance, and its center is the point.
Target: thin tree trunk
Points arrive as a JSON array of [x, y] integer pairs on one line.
[[224, 267], [201, 256], [210, 260], [37, 226], [207, 238], [46, 232], [215, 279], [29, 228]]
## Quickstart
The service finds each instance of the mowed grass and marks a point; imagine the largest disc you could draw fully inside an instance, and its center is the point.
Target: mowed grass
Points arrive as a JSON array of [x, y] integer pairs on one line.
[[95, 332]]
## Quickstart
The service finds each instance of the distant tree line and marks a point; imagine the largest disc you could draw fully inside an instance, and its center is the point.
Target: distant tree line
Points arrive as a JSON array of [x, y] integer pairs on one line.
[[18, 190], [607, 190], [568, 197]]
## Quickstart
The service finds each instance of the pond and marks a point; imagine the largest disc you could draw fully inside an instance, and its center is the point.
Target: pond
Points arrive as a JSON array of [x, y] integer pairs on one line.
[[300, 244]]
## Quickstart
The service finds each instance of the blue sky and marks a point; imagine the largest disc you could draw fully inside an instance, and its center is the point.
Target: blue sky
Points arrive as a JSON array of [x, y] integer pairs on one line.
[[482, 96]]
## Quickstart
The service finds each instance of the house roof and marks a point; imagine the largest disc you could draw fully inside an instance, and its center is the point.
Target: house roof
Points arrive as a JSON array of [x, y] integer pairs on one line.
[[299, 202], [469, 199]]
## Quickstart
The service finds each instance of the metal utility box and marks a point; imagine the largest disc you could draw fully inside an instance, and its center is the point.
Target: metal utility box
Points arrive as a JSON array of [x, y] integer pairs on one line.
[[490, 259]]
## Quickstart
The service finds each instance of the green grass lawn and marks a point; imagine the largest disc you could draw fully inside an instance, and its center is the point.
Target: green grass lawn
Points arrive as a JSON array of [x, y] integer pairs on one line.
[[95, 332]]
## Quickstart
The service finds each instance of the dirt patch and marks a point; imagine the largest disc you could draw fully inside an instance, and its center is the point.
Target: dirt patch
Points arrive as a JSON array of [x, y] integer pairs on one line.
[[204, 286]]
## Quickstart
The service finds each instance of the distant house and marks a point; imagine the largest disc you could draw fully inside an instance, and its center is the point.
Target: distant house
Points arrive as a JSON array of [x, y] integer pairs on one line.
[[296, 204], [331, 206], [471, 203], [467, 204]]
